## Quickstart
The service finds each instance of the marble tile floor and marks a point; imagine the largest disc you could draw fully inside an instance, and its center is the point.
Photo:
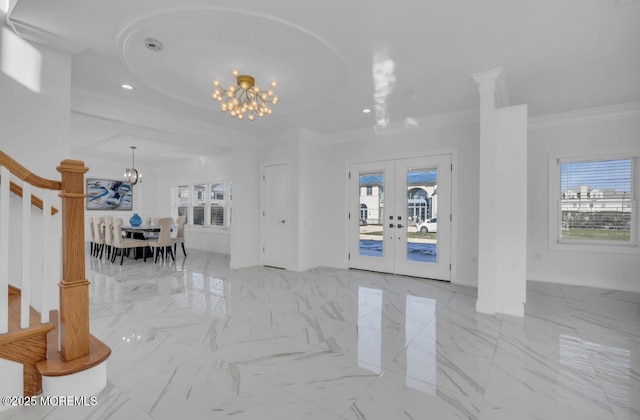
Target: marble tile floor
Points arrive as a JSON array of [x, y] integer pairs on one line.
[[196, 340]]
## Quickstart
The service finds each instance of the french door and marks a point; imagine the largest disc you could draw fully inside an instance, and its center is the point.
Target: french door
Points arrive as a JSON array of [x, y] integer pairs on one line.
[[402, 222]]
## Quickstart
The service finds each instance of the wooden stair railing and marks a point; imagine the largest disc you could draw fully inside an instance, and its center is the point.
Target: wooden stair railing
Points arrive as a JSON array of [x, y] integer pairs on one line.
[[78, 349], [35, 200]]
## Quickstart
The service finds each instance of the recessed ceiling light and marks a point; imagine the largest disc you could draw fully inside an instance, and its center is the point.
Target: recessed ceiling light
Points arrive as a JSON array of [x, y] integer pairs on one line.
[[366, 110], [126, 86], [153, 44]]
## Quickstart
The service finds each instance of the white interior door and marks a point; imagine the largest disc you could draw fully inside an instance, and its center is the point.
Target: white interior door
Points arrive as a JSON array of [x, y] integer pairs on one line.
[[403, 216], [275, 217]]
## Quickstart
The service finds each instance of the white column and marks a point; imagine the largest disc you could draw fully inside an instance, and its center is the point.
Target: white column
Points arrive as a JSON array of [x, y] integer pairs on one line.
[[487, 194], [502, 219], [510, 210]]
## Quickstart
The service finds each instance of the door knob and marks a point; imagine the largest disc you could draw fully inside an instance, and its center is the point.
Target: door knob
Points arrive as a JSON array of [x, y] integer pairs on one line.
[[281, 221]]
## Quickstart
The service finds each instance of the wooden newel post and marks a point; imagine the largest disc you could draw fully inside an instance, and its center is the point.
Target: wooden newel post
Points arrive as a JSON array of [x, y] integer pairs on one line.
[[74, 287]]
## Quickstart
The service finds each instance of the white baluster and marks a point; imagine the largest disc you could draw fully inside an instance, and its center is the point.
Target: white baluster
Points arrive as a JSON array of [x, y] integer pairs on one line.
[[47, 254], [4, 249], [25, 296]]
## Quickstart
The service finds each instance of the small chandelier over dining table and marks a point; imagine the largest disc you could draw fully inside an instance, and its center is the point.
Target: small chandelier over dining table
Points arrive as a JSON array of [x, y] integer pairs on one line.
[[245, 99], [131, 175]]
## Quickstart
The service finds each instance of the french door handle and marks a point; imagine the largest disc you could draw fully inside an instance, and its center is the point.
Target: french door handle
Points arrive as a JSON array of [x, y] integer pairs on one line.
[[400, 226]]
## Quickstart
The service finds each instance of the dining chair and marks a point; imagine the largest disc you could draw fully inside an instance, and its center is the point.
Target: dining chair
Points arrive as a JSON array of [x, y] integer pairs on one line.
[[91, 237], [120, 243], [108, 234], [98, 237], [164, 242], [179, 239], [152, 236]]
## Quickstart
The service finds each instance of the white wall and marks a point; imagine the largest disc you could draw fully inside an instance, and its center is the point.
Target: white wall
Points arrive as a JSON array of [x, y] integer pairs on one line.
[[245, 237], [311, 206], [34, 124], [606, 270]]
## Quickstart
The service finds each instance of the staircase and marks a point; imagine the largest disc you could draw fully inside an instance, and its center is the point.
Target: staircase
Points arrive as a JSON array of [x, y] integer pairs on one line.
[[44, 328], [26, 346]]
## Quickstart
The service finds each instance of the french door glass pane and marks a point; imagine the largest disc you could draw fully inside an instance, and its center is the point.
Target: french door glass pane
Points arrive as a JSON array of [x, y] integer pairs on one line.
[[371, 213], [422, 210]]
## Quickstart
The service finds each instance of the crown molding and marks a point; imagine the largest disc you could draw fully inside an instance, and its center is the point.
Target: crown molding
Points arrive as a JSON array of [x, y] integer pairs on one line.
[[496, 80], [430, 122], [604, 113], [471, 116], [40, 36]]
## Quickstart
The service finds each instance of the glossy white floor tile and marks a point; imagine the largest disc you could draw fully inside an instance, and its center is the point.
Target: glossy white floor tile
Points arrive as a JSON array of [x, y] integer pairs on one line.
[[195, 339]]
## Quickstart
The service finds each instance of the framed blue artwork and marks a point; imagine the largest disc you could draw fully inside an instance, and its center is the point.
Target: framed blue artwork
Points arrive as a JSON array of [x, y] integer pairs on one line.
[[109, 194]]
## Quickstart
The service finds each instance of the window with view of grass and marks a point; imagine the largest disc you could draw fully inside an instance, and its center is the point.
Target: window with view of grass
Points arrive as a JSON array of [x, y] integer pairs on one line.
[[597, 201]]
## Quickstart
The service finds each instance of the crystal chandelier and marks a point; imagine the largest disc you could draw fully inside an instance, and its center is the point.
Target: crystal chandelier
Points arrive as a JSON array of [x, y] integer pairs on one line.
[[245, 99], [131, 175]]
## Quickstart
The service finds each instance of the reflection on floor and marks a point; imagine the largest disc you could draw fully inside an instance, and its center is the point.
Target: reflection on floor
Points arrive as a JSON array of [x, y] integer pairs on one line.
[[416, 251], [196, 340]]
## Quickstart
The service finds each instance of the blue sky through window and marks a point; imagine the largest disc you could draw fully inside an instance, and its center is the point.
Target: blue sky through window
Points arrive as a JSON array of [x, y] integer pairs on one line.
[[605, 174]]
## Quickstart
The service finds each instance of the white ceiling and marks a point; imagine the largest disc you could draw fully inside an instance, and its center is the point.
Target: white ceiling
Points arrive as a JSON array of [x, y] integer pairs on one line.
[[405, 59]]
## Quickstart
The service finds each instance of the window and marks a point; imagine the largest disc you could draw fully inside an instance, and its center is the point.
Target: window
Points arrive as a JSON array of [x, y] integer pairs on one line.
[[369, 190], [217, 215], [183, 200], [199, 200], [596, 202], [205, 204], [217, 191]]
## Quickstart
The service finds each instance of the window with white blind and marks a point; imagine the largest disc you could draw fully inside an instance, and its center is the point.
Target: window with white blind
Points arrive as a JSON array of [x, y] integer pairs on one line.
[[596, 202], [204, 204]]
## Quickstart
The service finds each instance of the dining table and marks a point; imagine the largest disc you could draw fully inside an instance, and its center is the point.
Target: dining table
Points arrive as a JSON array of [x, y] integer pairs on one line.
[[140, 232]]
